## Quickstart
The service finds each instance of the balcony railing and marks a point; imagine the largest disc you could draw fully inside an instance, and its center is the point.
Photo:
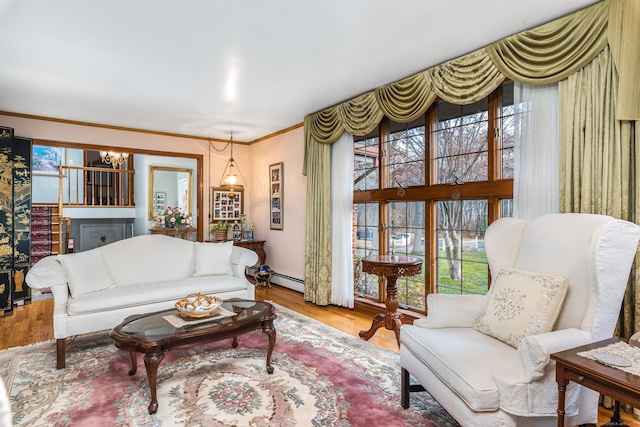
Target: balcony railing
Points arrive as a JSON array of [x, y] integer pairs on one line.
[[95, 187]]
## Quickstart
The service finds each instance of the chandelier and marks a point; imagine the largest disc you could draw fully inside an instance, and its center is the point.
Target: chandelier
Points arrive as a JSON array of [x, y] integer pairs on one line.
[[113, 158], [230, 181]]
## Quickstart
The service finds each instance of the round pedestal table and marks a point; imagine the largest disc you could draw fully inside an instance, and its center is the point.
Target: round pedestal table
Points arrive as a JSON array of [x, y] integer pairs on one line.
[[390, 267]]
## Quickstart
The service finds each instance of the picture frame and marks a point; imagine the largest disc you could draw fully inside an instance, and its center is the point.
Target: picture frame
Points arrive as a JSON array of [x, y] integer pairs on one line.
[[159, 201], [46, 159], [276, 191], [223, 207]]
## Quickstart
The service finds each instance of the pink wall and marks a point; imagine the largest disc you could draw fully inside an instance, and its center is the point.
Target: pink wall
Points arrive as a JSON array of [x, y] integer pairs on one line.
[[286, 247]]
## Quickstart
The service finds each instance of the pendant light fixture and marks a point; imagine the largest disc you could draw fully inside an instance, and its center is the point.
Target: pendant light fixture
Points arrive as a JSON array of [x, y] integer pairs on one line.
[[230, 180]]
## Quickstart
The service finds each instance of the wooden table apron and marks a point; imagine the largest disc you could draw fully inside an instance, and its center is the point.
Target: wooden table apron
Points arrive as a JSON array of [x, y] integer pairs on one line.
[[618, 384], [391, 267], [154, 350]]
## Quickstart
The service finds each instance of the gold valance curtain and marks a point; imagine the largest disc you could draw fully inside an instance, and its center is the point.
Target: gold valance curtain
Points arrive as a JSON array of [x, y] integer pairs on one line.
[[543, 55]]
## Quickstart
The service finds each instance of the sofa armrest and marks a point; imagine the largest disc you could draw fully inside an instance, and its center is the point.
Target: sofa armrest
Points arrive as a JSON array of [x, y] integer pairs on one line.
[[46, 273], [452, 311], [534, 350], [243, 256]]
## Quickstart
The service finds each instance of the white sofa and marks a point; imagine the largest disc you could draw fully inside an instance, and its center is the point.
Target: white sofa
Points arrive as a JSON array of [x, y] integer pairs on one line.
[[485, 381], [97, 289]]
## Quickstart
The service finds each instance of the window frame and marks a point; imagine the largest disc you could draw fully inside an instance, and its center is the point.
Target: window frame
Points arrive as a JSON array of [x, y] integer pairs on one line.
[[494, 190]]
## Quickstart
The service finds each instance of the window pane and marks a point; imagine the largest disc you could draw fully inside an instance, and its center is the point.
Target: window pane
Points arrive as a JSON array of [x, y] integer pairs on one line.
[[461, 138], [461, 259], [464, 168], [365, 242], [406, 153], [406, 237], [366, 161]]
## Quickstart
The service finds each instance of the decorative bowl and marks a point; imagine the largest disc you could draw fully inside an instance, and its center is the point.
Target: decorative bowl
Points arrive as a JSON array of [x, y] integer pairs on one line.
[[198, 305]]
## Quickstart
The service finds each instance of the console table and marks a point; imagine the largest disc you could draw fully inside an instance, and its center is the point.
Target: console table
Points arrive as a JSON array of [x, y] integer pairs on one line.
[[175, 232], [620, 385], [391, 267]]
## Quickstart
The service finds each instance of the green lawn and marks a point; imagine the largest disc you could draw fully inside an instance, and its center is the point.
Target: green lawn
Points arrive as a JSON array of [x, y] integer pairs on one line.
[[475, 277]]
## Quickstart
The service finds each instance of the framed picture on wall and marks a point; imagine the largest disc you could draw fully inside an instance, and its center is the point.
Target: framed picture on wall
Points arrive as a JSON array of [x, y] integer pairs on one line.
[[276, 188], [224, 207], [47, 159]]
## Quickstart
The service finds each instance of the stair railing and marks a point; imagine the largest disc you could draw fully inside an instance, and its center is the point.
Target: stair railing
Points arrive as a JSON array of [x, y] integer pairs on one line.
[[95, 187]]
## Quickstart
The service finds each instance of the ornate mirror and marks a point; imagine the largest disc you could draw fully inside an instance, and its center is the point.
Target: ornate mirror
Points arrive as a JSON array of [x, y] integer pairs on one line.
[[169, 187]]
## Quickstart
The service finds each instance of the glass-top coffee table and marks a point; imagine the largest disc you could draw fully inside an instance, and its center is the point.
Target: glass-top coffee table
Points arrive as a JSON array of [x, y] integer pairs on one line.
[[153, 334]]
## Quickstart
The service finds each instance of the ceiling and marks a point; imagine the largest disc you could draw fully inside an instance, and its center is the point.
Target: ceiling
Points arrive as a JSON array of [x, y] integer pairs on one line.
[[251, 67]]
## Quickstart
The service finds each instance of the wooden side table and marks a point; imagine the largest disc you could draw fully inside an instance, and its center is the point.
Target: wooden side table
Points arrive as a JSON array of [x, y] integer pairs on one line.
[[391, 267], [620, 385]]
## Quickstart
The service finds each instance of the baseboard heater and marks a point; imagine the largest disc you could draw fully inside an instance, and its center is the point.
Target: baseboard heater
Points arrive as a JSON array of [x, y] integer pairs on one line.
[[283, 280]]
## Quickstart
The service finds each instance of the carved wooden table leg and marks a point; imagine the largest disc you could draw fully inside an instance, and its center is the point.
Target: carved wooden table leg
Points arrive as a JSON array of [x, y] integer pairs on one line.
[[134, 362], [391, 320], [271, 332], [151, 362], [378, 322], [234, 343]]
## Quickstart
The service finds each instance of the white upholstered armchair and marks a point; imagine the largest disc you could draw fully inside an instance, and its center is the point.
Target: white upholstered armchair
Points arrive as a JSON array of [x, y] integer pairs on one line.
[[485, 373]]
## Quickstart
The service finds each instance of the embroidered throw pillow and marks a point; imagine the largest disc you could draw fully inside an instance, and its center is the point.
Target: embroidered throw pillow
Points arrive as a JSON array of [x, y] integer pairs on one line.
[[522, 303], [213, 258]]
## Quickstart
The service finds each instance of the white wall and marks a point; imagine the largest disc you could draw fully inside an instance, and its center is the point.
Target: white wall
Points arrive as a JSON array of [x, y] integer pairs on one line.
[[285, 248]]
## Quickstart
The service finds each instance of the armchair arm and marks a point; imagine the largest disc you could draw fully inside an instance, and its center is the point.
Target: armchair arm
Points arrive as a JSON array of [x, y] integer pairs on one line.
[[527, 385], [453, 311], [533, 352]]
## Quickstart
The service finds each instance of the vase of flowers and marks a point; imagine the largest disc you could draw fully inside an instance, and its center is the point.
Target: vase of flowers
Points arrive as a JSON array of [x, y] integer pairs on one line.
[[173, 217], [220, 229]]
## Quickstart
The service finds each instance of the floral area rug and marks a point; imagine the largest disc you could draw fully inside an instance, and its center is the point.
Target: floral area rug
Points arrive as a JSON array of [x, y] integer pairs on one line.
[[322, 377]]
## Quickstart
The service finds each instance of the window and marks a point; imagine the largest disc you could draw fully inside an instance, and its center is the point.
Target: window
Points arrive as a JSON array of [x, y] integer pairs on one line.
[[462, 264], [365, 242], [366, 162], [406, 237], [429, 189], [406, 150], [461, 142]]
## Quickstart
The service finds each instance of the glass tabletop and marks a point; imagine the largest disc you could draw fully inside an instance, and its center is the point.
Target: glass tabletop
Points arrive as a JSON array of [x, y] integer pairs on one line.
[[155, 325]]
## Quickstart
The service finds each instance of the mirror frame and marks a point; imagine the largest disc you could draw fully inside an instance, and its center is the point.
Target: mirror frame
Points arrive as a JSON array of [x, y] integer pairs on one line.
[[152, 169]]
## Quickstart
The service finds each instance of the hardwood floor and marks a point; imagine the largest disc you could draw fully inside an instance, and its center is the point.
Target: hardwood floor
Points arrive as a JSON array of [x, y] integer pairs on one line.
[[33, 323]]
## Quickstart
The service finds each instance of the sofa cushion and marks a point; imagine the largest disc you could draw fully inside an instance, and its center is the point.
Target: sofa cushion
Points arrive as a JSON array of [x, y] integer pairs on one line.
[[152, 292], [149, 258], [213, 258], [522, 303], [464, 359], [86, 272]]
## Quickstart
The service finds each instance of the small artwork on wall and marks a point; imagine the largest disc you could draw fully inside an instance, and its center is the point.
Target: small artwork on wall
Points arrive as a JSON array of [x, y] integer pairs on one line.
[[276, 186], [47, 159]]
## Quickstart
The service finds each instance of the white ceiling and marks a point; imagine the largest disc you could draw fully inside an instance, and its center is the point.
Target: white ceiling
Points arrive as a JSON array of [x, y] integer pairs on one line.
[[254, 67]]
